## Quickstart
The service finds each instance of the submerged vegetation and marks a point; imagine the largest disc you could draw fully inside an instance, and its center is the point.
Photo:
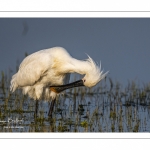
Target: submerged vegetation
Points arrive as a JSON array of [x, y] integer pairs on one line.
[[108, 107]]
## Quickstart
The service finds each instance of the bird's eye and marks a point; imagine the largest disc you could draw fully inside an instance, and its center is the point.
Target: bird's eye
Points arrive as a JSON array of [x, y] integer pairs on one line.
[[83, 80]]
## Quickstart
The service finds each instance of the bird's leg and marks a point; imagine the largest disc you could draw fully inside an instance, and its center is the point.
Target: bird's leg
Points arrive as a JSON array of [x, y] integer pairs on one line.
[[36, 108], [51, 108]]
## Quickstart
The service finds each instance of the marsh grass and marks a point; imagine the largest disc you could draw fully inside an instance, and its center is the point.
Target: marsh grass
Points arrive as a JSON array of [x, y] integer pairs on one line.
[[108, 107]]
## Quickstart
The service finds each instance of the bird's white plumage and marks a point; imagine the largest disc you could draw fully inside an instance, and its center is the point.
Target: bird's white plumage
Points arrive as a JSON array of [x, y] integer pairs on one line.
[[51, 67]]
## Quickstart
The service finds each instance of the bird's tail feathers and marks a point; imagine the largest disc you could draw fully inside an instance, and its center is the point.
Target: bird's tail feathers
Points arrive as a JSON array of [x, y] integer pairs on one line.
[[13, 85]]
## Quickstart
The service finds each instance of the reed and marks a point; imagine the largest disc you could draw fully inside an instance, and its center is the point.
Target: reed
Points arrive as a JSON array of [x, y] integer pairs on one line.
[[108, 107]]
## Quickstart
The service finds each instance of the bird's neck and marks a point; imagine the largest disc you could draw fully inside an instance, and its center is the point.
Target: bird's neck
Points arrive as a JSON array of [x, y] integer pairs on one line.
[[78, 66]]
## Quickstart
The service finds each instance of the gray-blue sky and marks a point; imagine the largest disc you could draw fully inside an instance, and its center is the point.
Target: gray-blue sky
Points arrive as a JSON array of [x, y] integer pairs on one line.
[[122, 45]]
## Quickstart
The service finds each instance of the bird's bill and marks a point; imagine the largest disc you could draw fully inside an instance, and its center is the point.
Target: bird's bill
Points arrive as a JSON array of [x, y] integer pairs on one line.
[[58, 89]]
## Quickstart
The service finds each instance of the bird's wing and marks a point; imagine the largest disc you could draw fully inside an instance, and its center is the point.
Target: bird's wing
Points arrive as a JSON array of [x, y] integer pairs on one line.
[[32, 68], [31, 58]]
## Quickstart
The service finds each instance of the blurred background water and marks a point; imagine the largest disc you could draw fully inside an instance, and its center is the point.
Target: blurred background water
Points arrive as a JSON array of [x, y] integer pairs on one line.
[[121, 44]]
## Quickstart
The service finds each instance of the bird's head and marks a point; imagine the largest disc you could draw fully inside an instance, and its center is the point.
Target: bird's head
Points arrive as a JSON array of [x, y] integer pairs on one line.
[[94, 74]]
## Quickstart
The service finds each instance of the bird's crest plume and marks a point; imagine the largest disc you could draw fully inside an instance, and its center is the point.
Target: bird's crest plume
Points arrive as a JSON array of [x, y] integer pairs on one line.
[[96, 69]]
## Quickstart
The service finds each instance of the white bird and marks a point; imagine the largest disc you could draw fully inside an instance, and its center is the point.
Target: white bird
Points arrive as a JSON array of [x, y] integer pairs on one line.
[[45, 73]]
